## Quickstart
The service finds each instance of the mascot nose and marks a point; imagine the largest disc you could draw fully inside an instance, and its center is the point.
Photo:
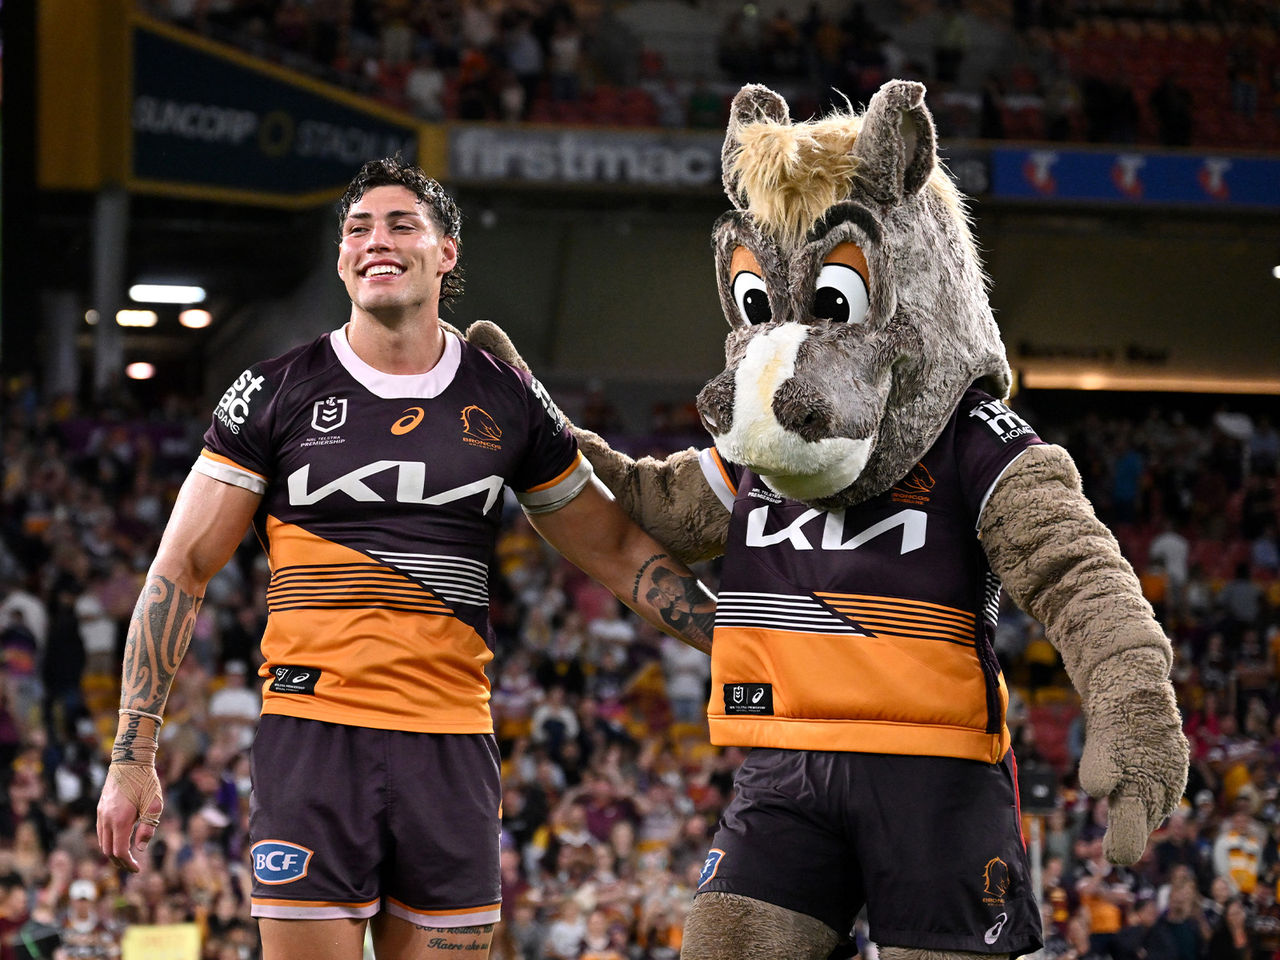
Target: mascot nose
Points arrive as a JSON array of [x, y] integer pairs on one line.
[[803, 408], [715, 404]]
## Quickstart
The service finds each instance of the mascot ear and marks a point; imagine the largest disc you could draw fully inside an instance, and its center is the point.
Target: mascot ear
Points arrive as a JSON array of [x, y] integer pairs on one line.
[[751, 104], [896, 147]]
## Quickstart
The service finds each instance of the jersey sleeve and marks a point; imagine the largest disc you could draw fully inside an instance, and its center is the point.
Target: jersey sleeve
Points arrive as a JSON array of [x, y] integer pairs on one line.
[[722, 476], [989, 437], [553, 471], [237, 448]]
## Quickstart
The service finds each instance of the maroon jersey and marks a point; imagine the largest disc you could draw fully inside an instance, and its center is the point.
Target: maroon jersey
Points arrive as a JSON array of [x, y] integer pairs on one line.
[[867, 629], [382, 497]]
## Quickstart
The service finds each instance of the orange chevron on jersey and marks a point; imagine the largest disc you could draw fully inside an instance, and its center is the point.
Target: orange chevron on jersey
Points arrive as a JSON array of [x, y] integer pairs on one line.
[[868, 693], [334, 586], [389, 651], [899, 617]]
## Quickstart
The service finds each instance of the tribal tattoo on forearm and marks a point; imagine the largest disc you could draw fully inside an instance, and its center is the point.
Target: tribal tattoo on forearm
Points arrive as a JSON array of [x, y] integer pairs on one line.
[[680, 600], [158, 637]]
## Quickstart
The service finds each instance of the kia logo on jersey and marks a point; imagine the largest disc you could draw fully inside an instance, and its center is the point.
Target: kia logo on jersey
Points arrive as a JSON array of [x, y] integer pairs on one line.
[[329, 414], [278, 861]]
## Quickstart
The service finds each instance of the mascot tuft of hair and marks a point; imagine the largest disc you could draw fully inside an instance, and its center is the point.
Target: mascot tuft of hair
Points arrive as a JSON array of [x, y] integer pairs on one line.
[[871, 494]]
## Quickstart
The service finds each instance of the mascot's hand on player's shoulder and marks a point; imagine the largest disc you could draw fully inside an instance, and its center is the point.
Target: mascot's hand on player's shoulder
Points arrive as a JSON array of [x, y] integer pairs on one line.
[[667, 497], [487, 335]]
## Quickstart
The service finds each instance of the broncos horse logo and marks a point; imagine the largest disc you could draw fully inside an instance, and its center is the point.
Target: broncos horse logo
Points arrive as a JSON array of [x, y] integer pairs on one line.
[[477, 423]]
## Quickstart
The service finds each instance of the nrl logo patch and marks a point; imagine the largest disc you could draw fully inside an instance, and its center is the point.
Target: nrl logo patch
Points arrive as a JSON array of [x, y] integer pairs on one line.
[[329, 414]]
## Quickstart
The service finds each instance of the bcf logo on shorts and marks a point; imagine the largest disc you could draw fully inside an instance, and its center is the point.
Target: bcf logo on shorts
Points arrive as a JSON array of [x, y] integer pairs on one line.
[[278, 861]]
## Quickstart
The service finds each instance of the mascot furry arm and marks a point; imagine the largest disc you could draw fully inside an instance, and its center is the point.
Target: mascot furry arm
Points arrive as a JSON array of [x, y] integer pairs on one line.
[[858, 403]]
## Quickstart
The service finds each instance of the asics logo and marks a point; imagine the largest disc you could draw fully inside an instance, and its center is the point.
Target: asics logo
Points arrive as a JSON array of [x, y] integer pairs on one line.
[[412, 417], [992, 933]]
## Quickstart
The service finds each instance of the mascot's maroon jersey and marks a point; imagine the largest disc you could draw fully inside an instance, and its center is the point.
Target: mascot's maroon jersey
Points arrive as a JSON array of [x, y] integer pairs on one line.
[[382, 497], [867, 629]]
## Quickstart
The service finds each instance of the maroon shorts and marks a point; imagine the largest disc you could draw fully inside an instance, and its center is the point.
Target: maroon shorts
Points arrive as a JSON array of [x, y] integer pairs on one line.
[[347, 821], [931, 845]]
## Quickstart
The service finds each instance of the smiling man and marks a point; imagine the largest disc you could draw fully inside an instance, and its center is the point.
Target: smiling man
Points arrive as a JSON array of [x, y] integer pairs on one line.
[[371, 463]]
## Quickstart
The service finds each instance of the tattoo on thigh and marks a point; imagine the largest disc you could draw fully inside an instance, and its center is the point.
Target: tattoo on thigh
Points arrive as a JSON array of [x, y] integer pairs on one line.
[[457, 937]]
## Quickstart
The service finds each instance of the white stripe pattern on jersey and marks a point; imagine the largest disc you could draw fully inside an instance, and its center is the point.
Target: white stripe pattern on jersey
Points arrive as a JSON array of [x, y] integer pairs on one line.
[[454, 579], [779, 611], [991, 598]]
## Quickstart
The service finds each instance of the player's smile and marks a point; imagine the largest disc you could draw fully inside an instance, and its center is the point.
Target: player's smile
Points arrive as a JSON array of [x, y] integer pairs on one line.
[[382, 270]]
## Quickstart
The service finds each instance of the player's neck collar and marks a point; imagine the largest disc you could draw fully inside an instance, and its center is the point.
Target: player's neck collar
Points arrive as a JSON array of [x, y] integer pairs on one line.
[[391, 386]]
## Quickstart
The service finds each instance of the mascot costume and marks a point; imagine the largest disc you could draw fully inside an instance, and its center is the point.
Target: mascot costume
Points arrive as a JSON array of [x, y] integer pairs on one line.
[[871, 493]]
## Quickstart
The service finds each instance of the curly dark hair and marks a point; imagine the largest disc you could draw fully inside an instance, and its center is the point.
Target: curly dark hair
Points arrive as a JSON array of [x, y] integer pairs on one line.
[[394, 172]]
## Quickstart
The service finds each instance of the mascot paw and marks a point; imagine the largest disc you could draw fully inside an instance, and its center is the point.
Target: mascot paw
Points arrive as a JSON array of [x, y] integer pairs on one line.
[[1136, 755], [489, 336]]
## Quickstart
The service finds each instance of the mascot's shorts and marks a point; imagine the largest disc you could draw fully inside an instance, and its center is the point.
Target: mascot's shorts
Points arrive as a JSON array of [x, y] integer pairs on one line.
[[932, 845], [350, 821]]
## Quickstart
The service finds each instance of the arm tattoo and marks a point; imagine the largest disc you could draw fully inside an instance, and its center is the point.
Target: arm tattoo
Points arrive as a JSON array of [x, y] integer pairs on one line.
[[681, 602], [635, 587], [158, 637]]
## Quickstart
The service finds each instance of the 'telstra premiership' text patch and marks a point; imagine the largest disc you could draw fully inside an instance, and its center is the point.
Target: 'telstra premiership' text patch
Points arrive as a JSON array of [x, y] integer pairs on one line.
[[294, 679], [749, 698]]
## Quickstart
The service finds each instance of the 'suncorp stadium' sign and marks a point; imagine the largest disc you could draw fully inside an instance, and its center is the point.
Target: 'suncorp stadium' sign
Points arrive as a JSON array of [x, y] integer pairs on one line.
[[204, 120]]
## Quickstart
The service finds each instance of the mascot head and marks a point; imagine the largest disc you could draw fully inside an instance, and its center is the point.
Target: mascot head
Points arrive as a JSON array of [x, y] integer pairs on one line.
[[858, 305]]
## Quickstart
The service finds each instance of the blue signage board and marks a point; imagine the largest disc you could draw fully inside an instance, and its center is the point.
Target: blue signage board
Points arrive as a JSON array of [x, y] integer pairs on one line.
[[1212, 180], [211, 122]]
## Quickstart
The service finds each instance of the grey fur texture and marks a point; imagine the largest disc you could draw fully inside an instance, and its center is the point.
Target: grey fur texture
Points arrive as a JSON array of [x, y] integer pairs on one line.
[[1061, 565], [724, 926]]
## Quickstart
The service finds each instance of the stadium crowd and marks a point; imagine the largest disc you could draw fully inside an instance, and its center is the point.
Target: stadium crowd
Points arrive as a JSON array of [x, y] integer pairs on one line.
[[1202, 72], [611, 789]]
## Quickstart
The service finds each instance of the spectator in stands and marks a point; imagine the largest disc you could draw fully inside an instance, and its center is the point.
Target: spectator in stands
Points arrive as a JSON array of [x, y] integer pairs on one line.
[[1230, 940], [1106, 890], [524, 55], [564, 60], [1184, 922], [424, 88], [1240, 601], [1237, 853], [84, 934], [951, 43], [235, 706]]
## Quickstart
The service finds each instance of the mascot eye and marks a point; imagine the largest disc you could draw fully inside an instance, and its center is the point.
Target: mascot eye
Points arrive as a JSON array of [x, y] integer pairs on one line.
[[752, 298], [841, 295]]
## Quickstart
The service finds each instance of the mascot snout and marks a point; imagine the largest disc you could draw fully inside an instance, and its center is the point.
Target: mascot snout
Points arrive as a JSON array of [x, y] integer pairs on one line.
[[781, 422]]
